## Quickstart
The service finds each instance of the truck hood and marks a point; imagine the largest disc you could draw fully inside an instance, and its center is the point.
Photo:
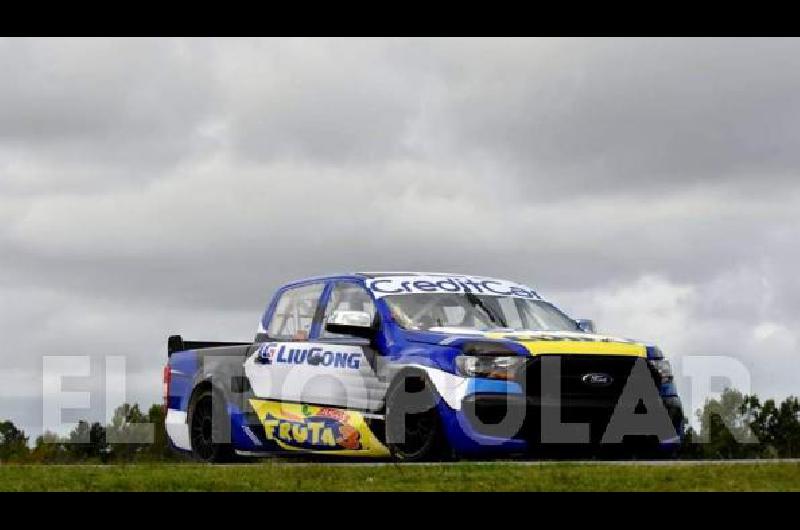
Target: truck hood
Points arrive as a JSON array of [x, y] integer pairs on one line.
[[568, 342], [552, 342]]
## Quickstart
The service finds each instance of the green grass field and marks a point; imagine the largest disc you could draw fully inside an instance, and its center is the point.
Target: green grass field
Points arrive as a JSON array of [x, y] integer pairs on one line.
[[455, 477]]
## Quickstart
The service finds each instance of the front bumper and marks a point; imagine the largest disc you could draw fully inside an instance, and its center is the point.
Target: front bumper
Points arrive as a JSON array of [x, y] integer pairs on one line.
[[513, 421]]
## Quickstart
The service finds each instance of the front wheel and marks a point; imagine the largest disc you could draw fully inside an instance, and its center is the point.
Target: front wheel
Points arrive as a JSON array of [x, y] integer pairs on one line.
[[413, 428], [209, 429]]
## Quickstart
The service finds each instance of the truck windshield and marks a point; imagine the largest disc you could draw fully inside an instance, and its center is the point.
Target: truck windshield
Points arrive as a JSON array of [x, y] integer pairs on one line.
[[428, 311]]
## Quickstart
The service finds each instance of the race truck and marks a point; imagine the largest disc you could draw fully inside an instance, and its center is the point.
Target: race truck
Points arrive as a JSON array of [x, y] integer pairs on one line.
[[416, 366]]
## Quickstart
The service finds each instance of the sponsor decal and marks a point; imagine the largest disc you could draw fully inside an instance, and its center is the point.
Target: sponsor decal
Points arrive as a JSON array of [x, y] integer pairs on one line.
[[567, 342], [597, 379], [394, 285], [303, 353], [543, 345], [266, 352], [303, 427]]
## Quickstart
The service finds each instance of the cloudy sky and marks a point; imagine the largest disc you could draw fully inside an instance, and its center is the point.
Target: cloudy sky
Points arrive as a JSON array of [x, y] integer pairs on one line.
[[150, 187]]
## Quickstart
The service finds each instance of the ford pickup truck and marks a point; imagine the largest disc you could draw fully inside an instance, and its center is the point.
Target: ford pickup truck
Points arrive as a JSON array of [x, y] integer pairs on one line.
[[416, 366]]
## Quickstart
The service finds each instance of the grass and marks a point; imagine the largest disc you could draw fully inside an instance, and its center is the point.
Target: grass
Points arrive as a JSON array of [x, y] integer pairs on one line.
[[272, 476]]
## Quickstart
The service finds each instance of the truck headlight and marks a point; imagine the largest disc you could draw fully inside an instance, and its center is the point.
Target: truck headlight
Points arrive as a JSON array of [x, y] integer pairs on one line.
[[491, 366], [662, 368]]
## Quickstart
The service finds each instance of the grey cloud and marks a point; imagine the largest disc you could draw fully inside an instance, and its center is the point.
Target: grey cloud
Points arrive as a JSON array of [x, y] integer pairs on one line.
[[93, 114], [620, 114], [334, 101]]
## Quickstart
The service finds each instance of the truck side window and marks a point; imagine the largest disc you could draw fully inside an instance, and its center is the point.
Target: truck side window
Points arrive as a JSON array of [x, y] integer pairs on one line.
[[350, 297], [294, 313]]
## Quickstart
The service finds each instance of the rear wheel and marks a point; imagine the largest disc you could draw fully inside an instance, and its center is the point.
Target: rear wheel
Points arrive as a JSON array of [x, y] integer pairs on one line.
[[209, 429], [413, 428]]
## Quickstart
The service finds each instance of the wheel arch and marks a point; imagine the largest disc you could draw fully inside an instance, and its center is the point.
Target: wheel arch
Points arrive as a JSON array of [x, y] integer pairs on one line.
[[201, 386], [439, 448], [412, 372]]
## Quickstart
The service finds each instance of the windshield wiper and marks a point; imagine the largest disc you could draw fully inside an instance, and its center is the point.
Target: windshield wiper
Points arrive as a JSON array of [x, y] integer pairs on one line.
[[474, 300]]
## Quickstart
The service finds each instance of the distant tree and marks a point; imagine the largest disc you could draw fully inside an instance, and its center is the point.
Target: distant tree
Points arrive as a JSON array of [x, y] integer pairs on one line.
[[726, 425], [130, 436], [129, 433], [135, 436], [741, 426], [691, 448], [49, 449], [87, 441], [159, 449], [786, 428], [777, 426], [13, 442]]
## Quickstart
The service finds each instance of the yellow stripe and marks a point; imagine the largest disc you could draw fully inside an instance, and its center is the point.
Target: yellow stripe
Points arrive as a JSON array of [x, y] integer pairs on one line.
[[539, 347], [578, 347]]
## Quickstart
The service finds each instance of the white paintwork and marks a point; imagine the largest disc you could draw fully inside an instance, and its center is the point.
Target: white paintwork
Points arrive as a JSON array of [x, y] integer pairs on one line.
[[452, 284], [178, 429], [274, 375], [451, 387]]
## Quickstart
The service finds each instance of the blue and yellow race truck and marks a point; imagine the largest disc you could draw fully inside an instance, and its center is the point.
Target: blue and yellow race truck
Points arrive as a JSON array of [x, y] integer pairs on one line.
[[416, 366]]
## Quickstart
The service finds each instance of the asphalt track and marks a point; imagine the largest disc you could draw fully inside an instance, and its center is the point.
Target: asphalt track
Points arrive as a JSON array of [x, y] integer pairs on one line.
[[687, 463]]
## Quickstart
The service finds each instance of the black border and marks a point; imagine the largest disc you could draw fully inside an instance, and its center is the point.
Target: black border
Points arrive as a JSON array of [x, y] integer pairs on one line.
[[396, 19]]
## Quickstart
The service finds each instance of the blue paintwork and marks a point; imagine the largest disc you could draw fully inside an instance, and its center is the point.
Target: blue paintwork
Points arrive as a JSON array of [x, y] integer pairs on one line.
[[465, 440], [239, 437], [184, 366], [482, 385], [668, 389]]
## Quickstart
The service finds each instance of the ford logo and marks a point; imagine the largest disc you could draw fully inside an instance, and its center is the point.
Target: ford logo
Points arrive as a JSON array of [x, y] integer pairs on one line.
[[597, 379]]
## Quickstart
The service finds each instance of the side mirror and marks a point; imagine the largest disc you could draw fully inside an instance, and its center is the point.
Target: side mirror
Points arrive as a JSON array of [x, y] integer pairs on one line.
[[355, 323], [586, 325]]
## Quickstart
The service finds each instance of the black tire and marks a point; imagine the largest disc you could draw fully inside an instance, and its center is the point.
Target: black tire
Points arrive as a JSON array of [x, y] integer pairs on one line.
[[209, 423], [422, 432]]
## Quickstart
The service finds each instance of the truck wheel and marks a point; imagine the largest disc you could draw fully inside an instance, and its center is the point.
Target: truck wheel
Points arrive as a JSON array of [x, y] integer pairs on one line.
[[421, 432], [209, 423]]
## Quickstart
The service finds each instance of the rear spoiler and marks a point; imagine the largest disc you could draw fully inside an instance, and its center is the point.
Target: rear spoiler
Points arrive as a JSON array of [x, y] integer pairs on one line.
[[176, 343]]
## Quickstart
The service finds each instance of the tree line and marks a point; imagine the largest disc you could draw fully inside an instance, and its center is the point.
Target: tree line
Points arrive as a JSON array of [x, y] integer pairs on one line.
[[94, 442], [733, 426], [742, 426]]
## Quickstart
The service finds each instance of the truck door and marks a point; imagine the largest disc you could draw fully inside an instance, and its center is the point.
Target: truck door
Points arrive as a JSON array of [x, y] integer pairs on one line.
[[358, 386], [299, 361]]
